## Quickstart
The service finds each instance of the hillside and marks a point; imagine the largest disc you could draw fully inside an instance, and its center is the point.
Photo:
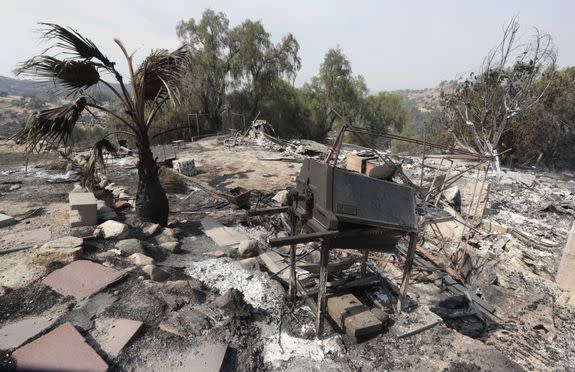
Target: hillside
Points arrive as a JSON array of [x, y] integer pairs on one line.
[[425, 100], [20, 97]]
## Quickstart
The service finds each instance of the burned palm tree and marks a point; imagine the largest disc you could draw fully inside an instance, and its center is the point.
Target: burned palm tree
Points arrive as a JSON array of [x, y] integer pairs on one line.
[[79, 65]]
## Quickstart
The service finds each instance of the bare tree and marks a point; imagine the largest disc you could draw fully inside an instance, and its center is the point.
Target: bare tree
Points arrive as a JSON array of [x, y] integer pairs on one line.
[[480, 108]]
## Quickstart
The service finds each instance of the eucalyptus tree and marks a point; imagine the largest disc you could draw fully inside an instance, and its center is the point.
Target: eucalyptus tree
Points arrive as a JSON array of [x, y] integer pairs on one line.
[[211, 53], [73, 64], [335, 88], [261, 63]]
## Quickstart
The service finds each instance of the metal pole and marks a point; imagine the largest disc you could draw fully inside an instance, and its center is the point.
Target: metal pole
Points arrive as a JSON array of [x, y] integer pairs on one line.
[[407, 270], [321, 294]]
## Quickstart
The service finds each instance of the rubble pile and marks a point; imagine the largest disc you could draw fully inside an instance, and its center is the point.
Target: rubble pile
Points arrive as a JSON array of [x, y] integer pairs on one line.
[[79, 270]]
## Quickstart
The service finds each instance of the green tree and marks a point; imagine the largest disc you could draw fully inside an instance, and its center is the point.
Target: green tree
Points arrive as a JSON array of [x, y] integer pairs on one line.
[[260, 63], [334, 88], [286, 108], [381, 113], [153, 83], [212, 51], [547, 134]]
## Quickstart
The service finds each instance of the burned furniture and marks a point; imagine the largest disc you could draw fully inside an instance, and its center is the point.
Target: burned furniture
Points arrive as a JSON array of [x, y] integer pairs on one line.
[[348, 210]]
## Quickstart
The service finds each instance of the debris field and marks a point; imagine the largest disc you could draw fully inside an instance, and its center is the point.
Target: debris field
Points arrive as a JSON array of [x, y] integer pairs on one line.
[[469, 270]]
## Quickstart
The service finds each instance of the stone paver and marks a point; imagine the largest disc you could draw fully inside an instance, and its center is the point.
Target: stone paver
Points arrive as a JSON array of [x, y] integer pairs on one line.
[[16, 333], [82, 279], [64, 348], [565, 274], [26, 237], [114, 334]]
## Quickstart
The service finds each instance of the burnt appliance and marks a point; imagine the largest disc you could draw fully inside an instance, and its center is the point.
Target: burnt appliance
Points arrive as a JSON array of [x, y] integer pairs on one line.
[[368, 213]]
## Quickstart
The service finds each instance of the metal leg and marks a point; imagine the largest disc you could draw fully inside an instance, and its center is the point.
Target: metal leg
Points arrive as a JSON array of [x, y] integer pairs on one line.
[[321, 295], [407, 270], [292, 278], [364, 263]]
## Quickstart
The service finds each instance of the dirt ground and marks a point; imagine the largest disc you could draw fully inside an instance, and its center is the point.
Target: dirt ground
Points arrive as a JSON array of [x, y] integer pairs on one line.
[[536, 333], [224, 167]]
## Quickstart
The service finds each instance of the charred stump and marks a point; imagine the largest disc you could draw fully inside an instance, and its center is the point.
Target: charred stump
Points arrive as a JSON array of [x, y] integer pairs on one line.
[[151, 201]]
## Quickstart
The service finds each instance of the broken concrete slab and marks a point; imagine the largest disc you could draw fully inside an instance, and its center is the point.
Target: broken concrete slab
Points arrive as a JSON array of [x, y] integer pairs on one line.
[[83, 209], [82, 279], [565, 274], [65, 249], [220, 234], [16, 333], [420, 320], [64, 348], [6, 220], [83, 314], [353, 317], [113, 334], [26, 237], [208, 358]]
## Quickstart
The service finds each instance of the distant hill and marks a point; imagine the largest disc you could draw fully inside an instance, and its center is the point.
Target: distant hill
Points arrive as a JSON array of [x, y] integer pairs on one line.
[[41, 90], [20, 87], [425, 100], [20, 97]]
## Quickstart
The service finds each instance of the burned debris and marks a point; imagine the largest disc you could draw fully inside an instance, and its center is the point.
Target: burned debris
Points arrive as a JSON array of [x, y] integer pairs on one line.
[[289, 254]]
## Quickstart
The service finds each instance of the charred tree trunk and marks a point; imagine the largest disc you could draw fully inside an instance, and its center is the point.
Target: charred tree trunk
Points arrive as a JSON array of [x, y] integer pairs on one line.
[[151, 202]]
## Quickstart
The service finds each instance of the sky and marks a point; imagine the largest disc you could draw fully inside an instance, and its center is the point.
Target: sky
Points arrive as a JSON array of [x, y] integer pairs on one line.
[[410, 44]]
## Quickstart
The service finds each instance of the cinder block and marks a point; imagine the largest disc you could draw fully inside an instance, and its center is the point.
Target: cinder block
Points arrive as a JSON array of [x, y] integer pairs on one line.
[[353, 317], [187, 167], [6, 220], [83, 209], [369, 165], [357, 163]]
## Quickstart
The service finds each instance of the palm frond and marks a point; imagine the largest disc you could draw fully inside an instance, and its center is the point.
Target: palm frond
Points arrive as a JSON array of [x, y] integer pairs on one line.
[[74, 76], [158, 76], [74, 44], [95, 159], [51, 125]]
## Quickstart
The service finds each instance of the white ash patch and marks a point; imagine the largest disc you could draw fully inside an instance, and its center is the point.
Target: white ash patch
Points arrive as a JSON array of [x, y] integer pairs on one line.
[[295, 347], [224, 275]]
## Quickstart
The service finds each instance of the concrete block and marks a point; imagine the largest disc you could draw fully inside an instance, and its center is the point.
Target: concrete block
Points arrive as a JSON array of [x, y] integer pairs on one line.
[[6, 220], [187, 167], [83, 209], [114, 334], [352, 316], [357, 163]]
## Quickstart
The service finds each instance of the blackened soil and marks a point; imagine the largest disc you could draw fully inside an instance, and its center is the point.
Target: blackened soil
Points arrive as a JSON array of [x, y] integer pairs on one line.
[[31, 300]]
